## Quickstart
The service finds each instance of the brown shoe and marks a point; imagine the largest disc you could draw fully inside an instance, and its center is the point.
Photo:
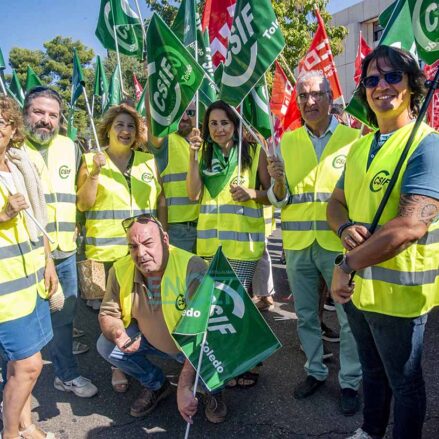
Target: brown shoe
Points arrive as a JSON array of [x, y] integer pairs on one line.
[[148, 400], [264, 303], [215, 407]]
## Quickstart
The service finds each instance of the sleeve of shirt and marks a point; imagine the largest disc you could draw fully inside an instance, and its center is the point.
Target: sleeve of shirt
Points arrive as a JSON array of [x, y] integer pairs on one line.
[[110, 303], [340, 182], [421, 176], [196, 270], [273, 200]]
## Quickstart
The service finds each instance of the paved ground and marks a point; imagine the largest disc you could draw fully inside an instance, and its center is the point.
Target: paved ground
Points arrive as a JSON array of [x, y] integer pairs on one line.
[[265, 411]]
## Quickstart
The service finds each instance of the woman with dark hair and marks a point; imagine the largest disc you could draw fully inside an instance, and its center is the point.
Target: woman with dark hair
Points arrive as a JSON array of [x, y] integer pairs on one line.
[[27, 277], [396, 279], [115, 184]]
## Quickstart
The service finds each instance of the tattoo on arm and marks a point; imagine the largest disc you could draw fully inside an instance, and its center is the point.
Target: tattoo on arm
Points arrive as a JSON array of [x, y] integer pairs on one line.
[[422, 208]]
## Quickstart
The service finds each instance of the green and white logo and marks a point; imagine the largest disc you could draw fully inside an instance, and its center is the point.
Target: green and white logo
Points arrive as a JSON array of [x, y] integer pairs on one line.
[[425, 22], [380, 180], [242, 181], [64, 171], [147, 177], [339, 161]]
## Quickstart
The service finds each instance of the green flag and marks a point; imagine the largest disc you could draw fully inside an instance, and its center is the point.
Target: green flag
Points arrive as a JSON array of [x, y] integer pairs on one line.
[[238, 337], [32, 79], [425, 24], [72, 131], [2, 61], [173, 77], [77, 80], [140, 107], [256, 110], [184, 26], [15, 90], [115, 89], [254, 43], [101, 82], [207, 92], [128, 28]]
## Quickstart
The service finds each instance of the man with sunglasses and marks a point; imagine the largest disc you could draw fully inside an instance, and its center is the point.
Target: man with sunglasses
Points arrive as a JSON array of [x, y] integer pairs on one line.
[[146, 295], [396, 279], [58, 159], [313, 158], [172, 157]]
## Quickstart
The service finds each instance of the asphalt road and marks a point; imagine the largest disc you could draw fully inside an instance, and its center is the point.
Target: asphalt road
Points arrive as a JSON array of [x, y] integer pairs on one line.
[[267, 410]]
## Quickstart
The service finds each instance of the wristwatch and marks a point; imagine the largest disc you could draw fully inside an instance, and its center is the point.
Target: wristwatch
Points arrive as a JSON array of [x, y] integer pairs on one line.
[[341, 262]]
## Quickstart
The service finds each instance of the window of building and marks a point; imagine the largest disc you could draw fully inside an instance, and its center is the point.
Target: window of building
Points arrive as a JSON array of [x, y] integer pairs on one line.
[[377, 31]]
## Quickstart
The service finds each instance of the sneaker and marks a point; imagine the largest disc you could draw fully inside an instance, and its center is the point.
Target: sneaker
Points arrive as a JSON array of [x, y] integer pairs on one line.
[[215, 407], [80, 386], [349, 402], [79, 348], [148, 399], [329, 304], [78, 333], [360, 434], [326, 354], [329, 335]]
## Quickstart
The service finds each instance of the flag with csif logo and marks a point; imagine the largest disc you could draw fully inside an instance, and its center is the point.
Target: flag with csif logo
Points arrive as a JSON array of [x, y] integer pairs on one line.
[[222, 307]]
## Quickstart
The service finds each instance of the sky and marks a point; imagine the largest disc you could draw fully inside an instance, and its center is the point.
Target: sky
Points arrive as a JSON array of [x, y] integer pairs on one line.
[[29, 23]]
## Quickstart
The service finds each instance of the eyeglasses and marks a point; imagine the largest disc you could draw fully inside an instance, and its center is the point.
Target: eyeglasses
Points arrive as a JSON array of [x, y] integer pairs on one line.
[[143, 218], [317, 96], [4, 124], [390, 77], [190, 113]]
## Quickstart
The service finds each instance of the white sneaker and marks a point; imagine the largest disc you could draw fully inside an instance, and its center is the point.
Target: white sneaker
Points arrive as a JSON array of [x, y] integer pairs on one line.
[[80, 386], [360, 434]]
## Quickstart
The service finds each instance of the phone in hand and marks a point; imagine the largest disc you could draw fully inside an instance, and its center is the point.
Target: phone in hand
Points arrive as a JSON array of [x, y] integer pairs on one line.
[[131, 340]]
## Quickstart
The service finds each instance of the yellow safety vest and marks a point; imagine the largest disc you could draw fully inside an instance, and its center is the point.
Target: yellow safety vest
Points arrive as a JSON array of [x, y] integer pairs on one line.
[[173, 286], [406, 285], [59, 184], [311, 183], [270, 222], [238, 227], [22, 265], [105, 238], [180, 207]]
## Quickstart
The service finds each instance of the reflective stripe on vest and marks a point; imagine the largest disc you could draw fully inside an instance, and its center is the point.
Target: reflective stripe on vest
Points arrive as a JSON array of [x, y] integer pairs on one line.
[[311, 183], [180, 207], [22, 266], [105, 238], [172, 287], [238, 227], [406, 285], [59, 183]]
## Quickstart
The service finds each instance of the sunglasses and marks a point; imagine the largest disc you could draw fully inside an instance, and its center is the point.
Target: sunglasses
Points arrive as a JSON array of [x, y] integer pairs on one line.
[[143, 218], [390, 77], [190, 113]]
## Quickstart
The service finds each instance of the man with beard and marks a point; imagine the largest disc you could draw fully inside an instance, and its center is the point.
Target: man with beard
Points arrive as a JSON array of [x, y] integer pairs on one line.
[[172, 157], [60, 159]]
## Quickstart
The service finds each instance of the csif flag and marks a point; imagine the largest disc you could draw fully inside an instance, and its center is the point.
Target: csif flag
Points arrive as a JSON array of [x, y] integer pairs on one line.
[[101, 82], [238, 338], [319, 57], [15, 90], [256, 110], [217, 19], [173, 77], [115, 89], [117, 14], [362, 51], [78, 82], [32, 79], [2, 61], [140, 106], [255, 42]]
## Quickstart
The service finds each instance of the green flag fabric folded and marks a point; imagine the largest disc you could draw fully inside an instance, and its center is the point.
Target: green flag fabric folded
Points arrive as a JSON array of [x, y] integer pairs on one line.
[[238, 338], [173, 77], [256, 110], [32, 80], [254, 44], [184, 26], [129, 35], [101, 82], [15, 90], [140, 106], [77, 79], [115, 89], [2, 61]]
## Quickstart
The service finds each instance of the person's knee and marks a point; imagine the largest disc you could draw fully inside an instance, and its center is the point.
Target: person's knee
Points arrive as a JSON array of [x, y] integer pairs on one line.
[[27, 369], [104, 347]]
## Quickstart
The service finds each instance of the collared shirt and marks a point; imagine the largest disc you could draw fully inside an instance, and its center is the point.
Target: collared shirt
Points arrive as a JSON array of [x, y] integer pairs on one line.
[[319, 144]]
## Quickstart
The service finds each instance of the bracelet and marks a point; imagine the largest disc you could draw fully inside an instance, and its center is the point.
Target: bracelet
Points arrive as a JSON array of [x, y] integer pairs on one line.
[[344, 226]]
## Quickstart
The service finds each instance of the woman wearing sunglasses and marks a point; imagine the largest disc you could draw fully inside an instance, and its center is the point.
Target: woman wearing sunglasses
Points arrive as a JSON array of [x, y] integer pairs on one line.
[[231, 213], [397, 279], [27, 277], [117, 183]]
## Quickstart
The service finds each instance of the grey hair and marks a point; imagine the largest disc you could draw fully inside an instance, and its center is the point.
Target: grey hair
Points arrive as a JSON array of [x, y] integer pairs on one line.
[[306, 76], [41, 91]]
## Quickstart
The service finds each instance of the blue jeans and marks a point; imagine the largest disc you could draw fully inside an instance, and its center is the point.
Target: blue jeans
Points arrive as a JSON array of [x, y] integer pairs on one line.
[[390, 350], [137, 364], [60, 348]]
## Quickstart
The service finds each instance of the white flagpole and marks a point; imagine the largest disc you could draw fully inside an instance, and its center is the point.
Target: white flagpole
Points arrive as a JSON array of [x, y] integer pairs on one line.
[[92, 105], [2, 85], [270, 117], [118, 58], [240, 148], [91, 119], [141, 24]]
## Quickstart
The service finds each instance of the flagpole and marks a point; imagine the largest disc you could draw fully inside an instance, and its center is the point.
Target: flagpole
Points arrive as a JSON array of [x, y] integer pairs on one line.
[[240, 148], [2, 85], [293, 82], [270, 118], [141, 24], [118, 58], [92, 105], [197, 114], [95, 134]]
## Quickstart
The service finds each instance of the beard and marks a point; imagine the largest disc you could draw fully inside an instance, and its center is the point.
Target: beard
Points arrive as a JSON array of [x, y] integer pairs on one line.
[[42, 138], [184, 129]]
